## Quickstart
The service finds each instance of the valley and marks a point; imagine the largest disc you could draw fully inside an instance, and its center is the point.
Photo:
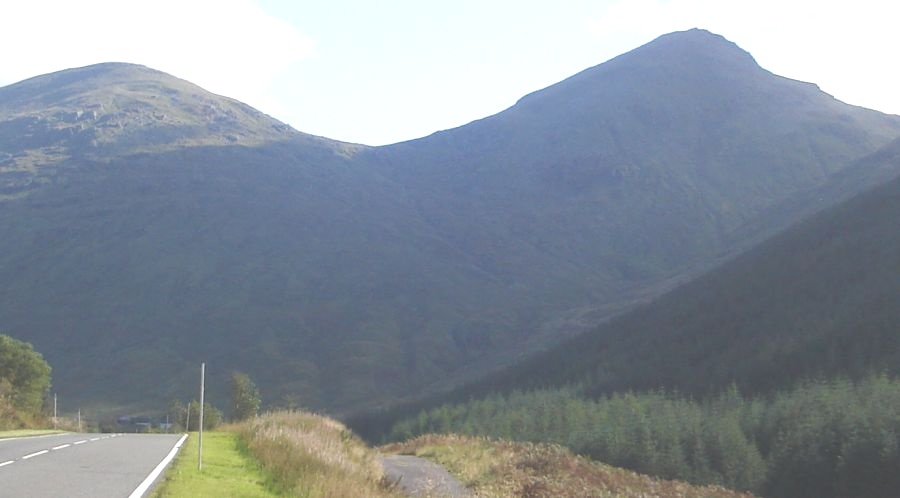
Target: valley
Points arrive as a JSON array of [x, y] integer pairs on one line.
[[675, 262], [178, 225]]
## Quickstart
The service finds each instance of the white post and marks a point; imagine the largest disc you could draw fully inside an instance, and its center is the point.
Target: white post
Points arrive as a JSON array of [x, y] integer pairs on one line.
[[79, 420], [200, 439], [54, 410]]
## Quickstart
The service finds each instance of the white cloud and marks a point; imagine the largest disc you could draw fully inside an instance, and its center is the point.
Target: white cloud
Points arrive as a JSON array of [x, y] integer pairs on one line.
[[230, 47]]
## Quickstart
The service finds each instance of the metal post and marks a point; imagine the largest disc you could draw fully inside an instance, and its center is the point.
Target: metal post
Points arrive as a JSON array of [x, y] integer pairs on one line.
[[54, 410], [79, 420], [200, 439]]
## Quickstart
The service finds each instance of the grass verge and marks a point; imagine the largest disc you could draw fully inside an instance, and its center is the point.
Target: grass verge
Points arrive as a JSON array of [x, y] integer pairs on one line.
[[228, 470], [315, 457], [504, 469]]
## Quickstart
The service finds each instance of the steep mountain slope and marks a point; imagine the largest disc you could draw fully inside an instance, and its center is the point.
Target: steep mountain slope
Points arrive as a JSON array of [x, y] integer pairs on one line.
[[816, 301], [146, 225], [799, 314], [149, 225], [613, 185], [634, 169]]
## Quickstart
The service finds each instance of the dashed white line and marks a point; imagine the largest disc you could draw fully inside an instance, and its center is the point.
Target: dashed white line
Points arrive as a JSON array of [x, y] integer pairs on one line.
[[26, 457], [55, 448]]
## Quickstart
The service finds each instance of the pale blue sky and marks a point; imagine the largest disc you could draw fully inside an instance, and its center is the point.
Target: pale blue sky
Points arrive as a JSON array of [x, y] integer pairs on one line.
[[377, 72]]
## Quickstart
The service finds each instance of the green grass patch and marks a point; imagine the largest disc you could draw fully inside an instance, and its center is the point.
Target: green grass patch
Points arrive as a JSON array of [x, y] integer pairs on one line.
[[228, 470], [28, 432]]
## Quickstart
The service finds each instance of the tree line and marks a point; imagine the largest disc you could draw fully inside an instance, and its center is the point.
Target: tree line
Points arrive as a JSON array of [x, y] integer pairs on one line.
[[821, 439], [245, 403], [24, 383]]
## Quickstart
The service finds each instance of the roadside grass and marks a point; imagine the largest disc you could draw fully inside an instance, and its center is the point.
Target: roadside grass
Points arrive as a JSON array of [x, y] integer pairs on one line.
[[228, 470], [504, 469], [28, 432], [290, 453], [315, 457]]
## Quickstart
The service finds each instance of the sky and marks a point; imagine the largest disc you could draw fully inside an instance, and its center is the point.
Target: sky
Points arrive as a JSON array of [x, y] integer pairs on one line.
[[379, 72]]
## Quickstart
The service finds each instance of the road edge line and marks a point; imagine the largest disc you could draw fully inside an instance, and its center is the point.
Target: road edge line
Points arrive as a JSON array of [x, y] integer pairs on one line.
[[145, 485]]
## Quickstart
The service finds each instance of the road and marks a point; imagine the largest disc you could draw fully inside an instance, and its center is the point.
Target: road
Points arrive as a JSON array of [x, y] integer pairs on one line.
[[421, 478], [81, 465]]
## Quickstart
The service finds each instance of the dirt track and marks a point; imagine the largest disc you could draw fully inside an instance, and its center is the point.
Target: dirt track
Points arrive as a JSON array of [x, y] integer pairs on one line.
[[421, 478]]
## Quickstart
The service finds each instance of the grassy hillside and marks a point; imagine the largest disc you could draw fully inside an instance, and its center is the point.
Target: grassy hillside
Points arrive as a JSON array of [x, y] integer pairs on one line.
[[147, 225], [819, 440], [503, 469], [301, 454]]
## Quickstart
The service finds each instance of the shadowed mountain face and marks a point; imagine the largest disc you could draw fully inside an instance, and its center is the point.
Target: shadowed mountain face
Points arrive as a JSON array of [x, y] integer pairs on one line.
[[818, 300], [146, 225]]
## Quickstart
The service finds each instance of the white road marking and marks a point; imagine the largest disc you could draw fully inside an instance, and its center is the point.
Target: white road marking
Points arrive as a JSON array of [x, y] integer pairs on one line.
[[80, 442], [4, 464], [145, 485], [95, 439], [26, 457], [33, 437], [60, 447]]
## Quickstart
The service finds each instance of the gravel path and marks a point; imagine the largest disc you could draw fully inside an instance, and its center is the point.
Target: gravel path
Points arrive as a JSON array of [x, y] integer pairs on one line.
[[421, 478]]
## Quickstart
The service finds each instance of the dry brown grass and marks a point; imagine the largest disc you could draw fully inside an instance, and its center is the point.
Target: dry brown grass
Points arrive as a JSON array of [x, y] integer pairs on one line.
[[503, 469], [315, 457]]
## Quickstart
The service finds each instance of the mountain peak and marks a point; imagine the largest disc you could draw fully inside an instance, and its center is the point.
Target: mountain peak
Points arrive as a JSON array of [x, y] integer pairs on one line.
[[56, 88], [119, 69], [694, 46], [107, 109], [694, 65], [697, 34]]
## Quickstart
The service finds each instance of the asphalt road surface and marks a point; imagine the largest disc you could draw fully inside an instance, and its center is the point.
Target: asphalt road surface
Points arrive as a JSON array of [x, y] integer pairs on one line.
[[421, 478], [80, 465]]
